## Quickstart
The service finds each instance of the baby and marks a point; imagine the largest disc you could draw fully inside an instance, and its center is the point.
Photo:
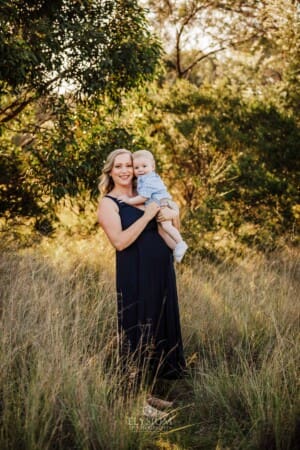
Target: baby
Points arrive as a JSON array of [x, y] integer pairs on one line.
[[150, 187]]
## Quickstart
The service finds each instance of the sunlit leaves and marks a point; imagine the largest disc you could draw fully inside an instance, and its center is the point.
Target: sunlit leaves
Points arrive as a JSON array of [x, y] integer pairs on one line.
[[228, 160], [89, 47]]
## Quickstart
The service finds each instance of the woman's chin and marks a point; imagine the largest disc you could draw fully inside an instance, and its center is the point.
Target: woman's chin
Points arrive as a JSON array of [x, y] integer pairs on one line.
[[125, 181]]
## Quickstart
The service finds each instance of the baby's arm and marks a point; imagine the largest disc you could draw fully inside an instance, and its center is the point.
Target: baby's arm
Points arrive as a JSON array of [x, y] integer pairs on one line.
[[137, 200]]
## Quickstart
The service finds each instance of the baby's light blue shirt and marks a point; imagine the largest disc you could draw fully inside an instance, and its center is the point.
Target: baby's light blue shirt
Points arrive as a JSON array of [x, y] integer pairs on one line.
[[152, 187]]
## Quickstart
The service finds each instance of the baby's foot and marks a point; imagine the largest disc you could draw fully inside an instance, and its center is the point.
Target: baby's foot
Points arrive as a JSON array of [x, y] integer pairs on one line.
[[179, 251]]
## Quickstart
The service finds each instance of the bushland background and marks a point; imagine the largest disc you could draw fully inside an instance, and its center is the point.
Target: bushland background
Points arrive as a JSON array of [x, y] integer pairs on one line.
[[212, 88]]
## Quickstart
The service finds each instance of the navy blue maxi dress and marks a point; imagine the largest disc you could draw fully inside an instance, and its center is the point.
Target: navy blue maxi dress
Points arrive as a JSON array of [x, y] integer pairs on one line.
[[148, 313]]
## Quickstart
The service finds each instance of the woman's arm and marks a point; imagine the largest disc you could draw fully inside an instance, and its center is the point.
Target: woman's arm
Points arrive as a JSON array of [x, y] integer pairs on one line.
[[109, 219]]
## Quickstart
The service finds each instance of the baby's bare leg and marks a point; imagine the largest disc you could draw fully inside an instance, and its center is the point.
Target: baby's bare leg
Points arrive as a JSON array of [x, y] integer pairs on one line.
[[166, 237], [169, 228]]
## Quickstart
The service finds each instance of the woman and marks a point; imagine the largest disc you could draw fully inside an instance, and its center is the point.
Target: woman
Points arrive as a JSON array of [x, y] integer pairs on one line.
[[148, 315]]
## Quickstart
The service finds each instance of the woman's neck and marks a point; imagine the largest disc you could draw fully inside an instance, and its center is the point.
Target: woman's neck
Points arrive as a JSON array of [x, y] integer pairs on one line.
[[120, 190]]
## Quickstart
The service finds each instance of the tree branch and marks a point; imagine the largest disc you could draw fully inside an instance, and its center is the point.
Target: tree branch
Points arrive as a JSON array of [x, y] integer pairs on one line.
[[12, 110], [15, 108], [202, 57], [188, 18]]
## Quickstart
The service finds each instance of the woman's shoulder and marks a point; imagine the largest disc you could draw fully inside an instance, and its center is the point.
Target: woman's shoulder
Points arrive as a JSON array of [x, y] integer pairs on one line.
[[109, 196], [108, 202], [107, 210]]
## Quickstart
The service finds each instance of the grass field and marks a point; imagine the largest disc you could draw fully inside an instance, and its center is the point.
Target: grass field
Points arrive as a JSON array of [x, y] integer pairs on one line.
[[60, 383]]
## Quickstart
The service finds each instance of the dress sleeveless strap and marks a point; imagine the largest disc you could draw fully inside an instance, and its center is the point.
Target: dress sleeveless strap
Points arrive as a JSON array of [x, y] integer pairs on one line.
[[113, 198]]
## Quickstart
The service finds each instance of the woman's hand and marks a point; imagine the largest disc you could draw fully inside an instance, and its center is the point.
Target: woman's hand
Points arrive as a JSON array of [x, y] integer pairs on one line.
[[151, 210], [167, 213]]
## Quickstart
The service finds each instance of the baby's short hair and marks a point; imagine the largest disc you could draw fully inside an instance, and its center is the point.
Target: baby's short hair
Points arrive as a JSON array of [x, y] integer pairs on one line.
[[143, 154]]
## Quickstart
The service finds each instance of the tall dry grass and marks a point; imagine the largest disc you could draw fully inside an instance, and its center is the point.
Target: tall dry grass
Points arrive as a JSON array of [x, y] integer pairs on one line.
[[60, 384], [60, 381], [241, 327]]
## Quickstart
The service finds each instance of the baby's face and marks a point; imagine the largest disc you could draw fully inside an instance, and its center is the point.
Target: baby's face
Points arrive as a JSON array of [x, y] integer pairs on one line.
[[142, 165]]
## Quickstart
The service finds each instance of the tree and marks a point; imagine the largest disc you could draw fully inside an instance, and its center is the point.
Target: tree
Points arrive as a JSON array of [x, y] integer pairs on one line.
[[195, 30], [89, 46], [231, 162], [59, 61], [256, 43]]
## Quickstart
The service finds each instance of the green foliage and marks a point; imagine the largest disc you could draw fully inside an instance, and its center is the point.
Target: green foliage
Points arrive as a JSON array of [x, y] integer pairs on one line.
[[63, 160], [232, 162], [227, 147], [16, 197], [58, 62], [79, 146], [92, 45]]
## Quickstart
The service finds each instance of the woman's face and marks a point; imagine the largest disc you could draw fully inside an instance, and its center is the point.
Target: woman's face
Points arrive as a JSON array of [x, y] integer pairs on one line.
[[122, 170]]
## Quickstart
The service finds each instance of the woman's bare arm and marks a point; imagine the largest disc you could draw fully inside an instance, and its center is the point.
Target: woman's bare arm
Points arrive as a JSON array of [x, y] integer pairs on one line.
[[109, 219]]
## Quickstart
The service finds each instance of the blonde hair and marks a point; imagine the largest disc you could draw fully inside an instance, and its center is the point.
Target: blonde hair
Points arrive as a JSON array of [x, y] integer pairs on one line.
[[144, 154], [106, 182]]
